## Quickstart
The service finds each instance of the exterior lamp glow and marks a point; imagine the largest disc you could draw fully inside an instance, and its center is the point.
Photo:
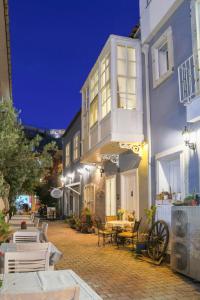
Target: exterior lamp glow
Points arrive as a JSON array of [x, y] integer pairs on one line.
[[63, 179], [186, 138]]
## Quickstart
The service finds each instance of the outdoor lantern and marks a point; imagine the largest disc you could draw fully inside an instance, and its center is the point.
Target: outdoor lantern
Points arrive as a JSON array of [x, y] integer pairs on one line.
[[186, 138]]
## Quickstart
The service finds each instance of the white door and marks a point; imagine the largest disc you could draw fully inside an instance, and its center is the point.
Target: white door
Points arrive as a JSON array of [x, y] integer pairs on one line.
[[111, 196], [129, 195], [89, 197]]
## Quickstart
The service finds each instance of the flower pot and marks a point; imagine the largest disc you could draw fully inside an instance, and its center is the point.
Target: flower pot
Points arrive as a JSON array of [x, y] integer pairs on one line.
[[140, 246], [23, 226]]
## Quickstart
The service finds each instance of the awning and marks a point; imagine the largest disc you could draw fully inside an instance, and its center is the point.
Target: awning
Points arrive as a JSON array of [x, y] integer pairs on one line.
[[72, 187]]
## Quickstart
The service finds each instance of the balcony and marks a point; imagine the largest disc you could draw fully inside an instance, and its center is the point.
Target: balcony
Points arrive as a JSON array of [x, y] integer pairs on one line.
[[189, 88], [112, 112]]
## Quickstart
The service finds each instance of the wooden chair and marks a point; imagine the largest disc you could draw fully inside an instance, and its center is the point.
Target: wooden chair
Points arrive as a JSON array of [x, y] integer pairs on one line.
[[26, 237], [129, 236], [22, 262], [36, 222], [103, 232]]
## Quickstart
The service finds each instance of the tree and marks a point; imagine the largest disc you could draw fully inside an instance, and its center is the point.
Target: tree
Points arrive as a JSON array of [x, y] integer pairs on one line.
[[21, 163]]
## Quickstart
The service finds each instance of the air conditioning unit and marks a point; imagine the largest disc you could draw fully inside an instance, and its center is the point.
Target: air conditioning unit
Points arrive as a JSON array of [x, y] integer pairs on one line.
[[185, 247]]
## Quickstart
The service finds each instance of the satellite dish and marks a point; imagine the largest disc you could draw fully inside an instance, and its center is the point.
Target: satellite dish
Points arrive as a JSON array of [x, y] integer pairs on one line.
[[56, 193]]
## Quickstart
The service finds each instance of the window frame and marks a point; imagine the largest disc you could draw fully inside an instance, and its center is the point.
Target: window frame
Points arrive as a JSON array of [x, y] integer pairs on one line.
[[126, 77], [67, 155], [76, 146], [105, 87], [166, 37]]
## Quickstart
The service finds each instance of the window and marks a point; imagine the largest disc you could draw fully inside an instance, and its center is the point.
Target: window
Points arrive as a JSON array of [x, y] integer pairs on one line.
[[126, 77], [67, 155], [89, 197], [94, 99], [162, 58], [93, 111], [105, 86], [76, 146]]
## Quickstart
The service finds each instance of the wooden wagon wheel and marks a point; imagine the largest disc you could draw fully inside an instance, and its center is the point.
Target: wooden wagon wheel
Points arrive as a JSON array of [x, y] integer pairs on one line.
[[158, 240]]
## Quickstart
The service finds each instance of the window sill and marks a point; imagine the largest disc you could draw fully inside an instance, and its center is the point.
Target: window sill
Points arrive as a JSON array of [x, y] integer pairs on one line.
[[163, 78]]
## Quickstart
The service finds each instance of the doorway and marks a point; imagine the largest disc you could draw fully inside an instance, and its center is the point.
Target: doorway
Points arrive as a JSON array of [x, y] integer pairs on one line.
[[129, 192], [111, 196]]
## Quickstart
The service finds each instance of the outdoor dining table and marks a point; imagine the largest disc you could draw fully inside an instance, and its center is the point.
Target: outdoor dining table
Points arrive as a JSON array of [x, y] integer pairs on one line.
[[17, 222], [120, 223], [21, 217], [55, 254], [45, 281]]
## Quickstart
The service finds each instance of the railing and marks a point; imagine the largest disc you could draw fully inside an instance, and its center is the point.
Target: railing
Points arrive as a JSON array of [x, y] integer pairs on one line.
[[188, 81]]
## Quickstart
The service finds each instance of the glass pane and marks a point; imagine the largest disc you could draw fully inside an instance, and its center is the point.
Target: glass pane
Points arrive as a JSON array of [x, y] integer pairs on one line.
[[163, 59], [108, 105], [121, 84], [131, 69], [121, 52], [103, 96], [131, 102], [107, 74], [131, 86], [121, 100], [121, 67], [103, 80], [131, 54]]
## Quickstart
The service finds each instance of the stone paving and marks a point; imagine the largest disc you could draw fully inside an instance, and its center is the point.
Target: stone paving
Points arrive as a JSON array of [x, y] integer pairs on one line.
[[116, 274]]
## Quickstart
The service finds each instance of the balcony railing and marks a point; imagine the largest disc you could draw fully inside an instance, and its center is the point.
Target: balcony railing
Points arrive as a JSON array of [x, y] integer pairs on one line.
[[188, 81]]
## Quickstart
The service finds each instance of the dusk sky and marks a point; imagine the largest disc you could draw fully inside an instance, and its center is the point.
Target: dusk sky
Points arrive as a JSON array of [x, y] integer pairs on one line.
[[54, 45]]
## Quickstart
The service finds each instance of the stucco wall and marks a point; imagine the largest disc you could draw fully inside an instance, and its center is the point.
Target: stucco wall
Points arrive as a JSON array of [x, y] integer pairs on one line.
[[168, 115]]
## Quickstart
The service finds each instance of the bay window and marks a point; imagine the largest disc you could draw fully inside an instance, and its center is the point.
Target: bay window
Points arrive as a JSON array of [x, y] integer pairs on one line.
[[126, 77]]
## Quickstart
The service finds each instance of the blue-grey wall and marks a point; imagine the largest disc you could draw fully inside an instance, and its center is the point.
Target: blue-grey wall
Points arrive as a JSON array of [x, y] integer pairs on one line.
[[168, 115]]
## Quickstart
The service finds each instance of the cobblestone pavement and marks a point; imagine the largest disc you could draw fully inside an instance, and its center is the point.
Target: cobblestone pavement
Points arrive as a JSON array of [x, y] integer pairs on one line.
[[116, 274]]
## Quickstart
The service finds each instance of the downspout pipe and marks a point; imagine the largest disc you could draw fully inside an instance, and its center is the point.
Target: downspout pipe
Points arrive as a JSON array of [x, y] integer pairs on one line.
[[145, 50]]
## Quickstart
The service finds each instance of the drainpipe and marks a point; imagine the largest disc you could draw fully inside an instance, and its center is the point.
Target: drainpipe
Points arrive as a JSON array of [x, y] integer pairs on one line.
[[145, 50]]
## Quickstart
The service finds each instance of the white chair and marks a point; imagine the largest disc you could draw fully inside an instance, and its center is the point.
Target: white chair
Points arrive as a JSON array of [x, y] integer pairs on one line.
[[26, 237], [22, 262], [36, 222], [44, 227], [33, 247]]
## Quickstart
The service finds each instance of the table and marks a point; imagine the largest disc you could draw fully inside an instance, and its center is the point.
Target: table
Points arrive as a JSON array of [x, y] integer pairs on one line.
[[21, 217], [55, 254], [46, 281], [17, 222], [119, 223]]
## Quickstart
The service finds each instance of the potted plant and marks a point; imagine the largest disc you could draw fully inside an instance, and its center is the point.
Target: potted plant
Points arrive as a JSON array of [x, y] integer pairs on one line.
[[23, 225], [78, 224], [86, 221], [4, 229], [120, 213], [141, 244]]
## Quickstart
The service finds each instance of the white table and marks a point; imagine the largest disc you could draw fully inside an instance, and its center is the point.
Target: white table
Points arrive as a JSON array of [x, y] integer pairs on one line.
[[17, 222], [35, 282], [119, 223]]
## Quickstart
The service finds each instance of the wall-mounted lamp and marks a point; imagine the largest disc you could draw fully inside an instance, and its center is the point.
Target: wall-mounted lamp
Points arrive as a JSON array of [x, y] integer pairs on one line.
[[186, 138], [102, 171], [63, 179]]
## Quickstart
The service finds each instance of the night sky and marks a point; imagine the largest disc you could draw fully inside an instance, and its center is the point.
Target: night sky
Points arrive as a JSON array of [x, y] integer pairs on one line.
[[54, 45]]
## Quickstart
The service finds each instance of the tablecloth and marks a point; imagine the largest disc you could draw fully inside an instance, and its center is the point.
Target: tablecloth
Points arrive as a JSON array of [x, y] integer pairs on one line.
[[46, 281]]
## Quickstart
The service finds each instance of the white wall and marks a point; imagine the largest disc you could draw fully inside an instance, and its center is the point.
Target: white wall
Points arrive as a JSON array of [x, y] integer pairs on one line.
[[155, 15]]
